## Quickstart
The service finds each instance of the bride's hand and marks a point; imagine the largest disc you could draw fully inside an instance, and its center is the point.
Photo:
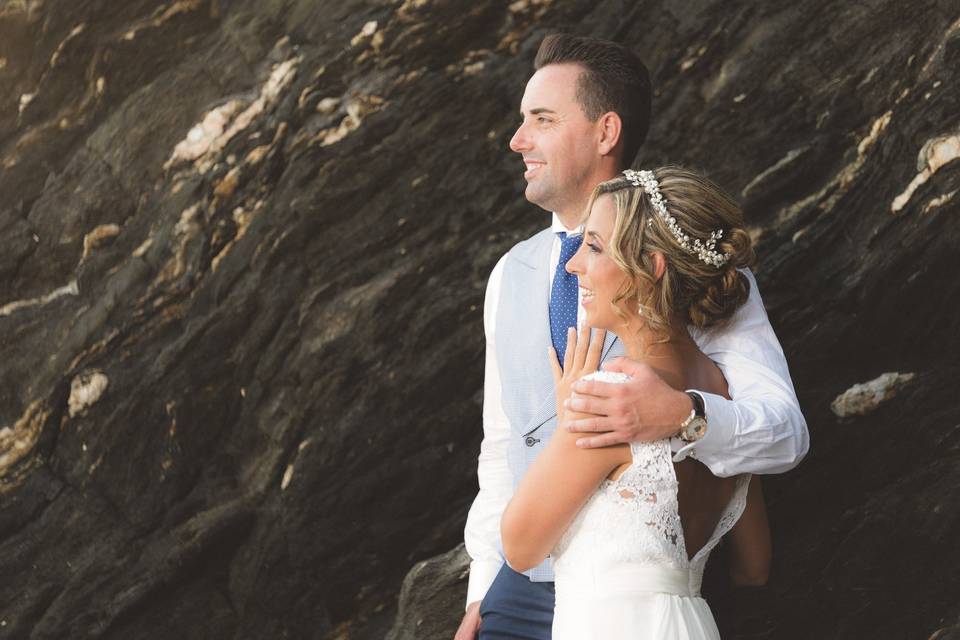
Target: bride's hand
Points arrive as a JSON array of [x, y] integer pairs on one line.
[[582, 357]]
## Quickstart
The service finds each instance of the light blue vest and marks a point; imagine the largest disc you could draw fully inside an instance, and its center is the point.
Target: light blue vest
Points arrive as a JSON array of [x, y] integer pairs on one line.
[[522, 339]]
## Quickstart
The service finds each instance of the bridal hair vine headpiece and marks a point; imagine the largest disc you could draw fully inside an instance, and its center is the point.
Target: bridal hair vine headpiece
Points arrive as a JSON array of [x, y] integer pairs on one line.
[[705, 251]]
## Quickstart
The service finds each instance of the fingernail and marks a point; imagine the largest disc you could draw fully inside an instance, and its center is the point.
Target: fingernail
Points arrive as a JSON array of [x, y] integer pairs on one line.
[[580, 443]]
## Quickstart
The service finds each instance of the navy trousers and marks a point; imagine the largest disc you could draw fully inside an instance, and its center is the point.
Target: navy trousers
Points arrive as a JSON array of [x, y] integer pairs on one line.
[[516, 608]]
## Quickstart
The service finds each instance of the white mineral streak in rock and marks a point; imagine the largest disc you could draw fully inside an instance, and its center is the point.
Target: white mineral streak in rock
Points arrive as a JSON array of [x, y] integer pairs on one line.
[[207, 138], [366, 32], [85, 389], [357, 109], [165, 13], [140, 251], [70, 289], [101, 85], [692, 60], [287, 477], [288, 473], [328, 105], [98, 237], [257, 154], [3, 63], [869, 77], [409, 6], [935, 153], [940, 201], [953, 28], [77, 30], [474, 68], [19, 440], [185, 230], [186, 225], [843, 179], [25, 100], [875, 130], [776, 166], [861, 399], [242, 218], [204, 134]]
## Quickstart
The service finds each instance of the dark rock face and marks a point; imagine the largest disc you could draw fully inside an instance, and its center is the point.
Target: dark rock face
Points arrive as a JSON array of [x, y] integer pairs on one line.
[[432, 598], [244, 252]]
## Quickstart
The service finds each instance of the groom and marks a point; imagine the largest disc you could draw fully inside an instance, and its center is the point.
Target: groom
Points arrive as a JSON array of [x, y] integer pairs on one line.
[[586, 111]]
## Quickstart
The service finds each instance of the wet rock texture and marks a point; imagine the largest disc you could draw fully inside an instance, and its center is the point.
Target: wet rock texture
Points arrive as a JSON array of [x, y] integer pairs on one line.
[[244, 247]]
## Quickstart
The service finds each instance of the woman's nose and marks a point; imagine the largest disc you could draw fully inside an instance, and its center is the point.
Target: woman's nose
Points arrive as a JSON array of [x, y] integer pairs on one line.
[[573, 264]]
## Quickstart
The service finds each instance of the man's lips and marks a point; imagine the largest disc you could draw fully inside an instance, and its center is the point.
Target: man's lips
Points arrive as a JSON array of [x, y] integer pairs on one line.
[[532, 167]]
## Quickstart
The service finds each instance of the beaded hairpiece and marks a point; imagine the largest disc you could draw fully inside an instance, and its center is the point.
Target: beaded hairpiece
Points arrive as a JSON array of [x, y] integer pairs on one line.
[[705, 251]]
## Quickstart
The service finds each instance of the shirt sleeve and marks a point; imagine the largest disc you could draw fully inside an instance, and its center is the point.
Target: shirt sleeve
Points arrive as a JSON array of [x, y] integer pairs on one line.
[[761, 430], [482, 531]]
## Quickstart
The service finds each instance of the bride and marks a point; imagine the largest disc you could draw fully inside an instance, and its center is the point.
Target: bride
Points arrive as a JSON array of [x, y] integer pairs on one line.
[[629, 529]]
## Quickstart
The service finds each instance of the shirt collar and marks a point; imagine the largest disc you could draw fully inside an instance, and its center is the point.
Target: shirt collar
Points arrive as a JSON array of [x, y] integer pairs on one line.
[[557, 227]]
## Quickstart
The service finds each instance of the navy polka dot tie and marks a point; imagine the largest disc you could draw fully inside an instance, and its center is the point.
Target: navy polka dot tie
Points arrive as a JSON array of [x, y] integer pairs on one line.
[[563, 295]]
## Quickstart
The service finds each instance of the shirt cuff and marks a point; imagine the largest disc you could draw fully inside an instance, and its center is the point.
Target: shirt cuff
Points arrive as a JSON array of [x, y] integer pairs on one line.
[[482, 575], [721, 425]]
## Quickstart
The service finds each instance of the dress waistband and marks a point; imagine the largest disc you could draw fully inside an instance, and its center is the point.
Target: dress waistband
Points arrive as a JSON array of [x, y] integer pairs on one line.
[[624, 579]]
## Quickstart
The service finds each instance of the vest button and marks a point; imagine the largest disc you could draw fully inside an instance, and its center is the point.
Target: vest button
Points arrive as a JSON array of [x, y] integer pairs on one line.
[[530, 441]]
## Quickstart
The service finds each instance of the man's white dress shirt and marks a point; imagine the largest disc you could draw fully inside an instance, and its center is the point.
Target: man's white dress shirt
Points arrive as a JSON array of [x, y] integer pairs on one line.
[[760, 431]]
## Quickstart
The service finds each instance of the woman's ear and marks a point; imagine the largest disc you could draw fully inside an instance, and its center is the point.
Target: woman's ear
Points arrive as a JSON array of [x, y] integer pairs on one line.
[[659, 264]]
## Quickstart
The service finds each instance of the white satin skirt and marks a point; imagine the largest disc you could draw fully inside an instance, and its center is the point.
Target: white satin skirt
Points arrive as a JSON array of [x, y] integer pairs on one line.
[[630, 603]]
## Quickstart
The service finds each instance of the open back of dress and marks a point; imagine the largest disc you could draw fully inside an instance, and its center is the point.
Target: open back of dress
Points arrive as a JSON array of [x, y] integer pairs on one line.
[[622, 569]]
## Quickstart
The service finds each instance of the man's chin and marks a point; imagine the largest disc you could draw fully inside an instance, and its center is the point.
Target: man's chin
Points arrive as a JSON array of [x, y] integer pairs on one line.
[[536, 196]]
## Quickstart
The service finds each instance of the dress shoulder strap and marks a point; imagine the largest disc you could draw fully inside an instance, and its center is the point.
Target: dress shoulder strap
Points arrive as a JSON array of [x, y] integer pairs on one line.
[[729, 517]]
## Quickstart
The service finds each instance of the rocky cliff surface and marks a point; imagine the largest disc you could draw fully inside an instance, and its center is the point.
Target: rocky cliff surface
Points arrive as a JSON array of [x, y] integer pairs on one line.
[[244, 248]]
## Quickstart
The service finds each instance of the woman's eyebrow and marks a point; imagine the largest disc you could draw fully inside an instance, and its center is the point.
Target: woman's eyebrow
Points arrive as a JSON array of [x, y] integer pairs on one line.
[[594, 234]]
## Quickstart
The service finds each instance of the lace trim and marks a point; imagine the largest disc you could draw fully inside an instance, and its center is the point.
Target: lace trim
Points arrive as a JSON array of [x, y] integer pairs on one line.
[[636, 517]]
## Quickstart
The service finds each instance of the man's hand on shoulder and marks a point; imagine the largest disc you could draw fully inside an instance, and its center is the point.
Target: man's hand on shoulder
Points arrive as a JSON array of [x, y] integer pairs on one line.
[[641, 410], [470, 624]]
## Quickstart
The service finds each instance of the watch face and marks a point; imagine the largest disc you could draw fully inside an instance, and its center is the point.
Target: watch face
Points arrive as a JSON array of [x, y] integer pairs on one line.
[[696, 429]]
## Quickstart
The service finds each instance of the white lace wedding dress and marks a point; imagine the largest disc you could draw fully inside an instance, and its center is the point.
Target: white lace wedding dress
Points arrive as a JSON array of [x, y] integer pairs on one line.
[[622, 569]]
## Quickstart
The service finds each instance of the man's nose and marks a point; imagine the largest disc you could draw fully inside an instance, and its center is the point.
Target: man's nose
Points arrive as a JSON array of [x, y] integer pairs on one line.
[[519, 142]]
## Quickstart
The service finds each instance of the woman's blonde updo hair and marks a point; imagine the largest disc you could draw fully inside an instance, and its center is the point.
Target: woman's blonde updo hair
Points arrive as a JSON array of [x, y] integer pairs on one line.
[[702, 294]]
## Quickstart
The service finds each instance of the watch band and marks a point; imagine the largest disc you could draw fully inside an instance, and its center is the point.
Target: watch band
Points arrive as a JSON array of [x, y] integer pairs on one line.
[[698, 406]]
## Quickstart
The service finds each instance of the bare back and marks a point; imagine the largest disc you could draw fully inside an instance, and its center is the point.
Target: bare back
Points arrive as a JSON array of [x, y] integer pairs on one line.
[[702, 496]]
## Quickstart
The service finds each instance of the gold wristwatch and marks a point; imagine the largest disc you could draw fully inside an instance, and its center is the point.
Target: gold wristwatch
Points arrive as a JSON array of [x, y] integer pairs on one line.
[[695, 426]]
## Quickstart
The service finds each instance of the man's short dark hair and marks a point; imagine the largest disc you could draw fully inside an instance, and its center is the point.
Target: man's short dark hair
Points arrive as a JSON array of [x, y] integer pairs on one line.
[[613, 79]]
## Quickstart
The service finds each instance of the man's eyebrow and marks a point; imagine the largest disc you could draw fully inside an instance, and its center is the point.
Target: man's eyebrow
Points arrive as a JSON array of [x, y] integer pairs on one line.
[[540, 110]]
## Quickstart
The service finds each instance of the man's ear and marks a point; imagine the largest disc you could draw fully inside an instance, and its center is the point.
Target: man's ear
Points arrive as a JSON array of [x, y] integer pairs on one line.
[[610, 127], [659, 264]]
